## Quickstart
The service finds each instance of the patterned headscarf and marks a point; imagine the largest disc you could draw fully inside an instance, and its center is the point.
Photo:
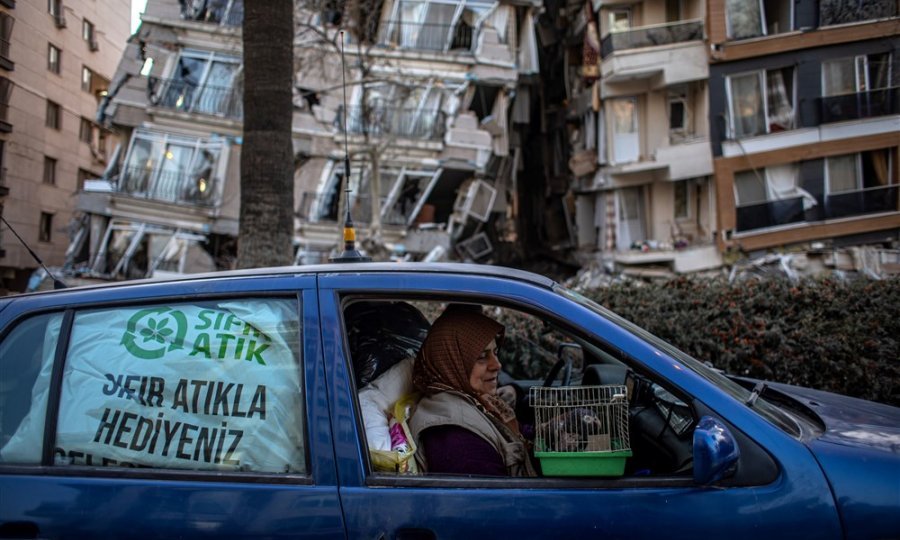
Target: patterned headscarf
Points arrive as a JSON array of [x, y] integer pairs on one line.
[[448, 355]]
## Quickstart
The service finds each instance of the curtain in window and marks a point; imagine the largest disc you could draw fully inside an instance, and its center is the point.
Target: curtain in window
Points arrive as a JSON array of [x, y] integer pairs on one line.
[[839, 77], [744, 18], [631, 217], [781, 112], [842, 173], [625, 133], [783, 184], [411, 15], [880, 167], [217, 88], [747, 112]]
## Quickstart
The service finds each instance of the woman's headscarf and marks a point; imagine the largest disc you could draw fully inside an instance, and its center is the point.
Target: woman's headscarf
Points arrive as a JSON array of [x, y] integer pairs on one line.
[[446, 358]]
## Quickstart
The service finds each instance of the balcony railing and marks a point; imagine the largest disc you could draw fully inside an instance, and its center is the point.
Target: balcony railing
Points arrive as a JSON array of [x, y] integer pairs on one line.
[[426, 36], [325, 210], [186, 96], [649, 36], [770, 214], [399, 122], [223, 12], [168, 186], [864, 201], [881, 102]]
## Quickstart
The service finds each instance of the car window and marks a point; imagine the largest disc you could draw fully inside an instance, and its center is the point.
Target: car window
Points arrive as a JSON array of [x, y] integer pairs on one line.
[[651, 434], [210, 385], [26, 355]]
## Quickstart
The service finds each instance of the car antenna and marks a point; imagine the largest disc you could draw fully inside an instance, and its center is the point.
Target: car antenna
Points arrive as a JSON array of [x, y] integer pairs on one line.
[[57, 284], [350, 253]]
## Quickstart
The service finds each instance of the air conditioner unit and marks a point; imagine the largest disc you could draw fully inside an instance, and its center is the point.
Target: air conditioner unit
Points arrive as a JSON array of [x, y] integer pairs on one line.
[[60, 20], [93, 45]]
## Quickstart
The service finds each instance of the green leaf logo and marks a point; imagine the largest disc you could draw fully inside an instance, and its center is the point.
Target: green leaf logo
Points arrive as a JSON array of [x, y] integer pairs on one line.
[[156, 336]]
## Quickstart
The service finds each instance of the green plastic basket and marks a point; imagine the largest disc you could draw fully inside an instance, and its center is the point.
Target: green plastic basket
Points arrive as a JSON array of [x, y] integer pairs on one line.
[[583, 463]]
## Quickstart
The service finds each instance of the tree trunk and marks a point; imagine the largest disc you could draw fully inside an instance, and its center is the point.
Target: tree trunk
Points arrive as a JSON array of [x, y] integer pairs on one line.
[[267, 166]]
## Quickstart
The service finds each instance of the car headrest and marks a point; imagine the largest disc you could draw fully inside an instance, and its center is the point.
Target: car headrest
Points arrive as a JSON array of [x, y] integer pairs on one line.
[[598, 374]]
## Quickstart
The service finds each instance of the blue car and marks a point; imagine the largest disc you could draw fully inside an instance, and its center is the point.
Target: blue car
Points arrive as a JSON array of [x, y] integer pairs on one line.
[[236, 405]]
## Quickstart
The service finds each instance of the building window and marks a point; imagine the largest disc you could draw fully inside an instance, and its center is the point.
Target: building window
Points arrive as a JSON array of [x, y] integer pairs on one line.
[[86, 130], [49, 171], [842, 11], [442, 25], [87, 33], [6, 26], [54, 115], [770, 197], [860, 183], [204, 82], [46, 227], [682, 199], [856, 74], [87, 78], [54, 59], [5, 92], [83, 176], [754, 18], [761, 102], [623, 115]]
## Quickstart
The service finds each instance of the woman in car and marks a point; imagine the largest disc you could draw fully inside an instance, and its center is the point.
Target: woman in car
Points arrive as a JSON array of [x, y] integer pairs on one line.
[[461, 425]]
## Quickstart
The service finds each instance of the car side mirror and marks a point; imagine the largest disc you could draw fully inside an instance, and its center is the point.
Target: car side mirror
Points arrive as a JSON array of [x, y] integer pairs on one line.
[[715, 451]]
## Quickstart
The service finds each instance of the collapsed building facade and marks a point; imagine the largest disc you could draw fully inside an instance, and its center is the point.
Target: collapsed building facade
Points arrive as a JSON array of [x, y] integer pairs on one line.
[[651, 137], [430, 87]]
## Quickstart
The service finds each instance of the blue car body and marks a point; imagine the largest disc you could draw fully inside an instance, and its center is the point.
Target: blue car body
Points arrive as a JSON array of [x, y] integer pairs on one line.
[[836, 476]]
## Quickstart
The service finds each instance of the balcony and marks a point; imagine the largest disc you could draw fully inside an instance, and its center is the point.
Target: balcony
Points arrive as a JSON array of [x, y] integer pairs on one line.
[[860, 202], [640, 53], [840, 12], [221, 12], [409, 123], [881, 102], [168, 186], [651, 36], [185, 96], [426, 36], [770, 214]]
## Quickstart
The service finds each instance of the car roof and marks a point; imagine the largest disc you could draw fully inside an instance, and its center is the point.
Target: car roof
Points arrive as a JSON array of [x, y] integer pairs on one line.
[[337, 268]]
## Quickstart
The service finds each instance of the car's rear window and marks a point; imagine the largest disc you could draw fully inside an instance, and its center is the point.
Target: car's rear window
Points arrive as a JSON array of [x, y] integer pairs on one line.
[[210, 385]]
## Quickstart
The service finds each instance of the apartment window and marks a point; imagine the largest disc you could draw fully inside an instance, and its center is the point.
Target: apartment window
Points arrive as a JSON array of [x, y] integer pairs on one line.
[[85, 130], [754, 18], [625, 135], [682, 199], [856, 74], [49, 171], [45, 229], [441, 25], [83, 176], [205, 82], [842, 11], [761, 102], [87, 34], [770, 197], [54, 58], [54, 7], [619, 20], [5, 92], [860, 183], [54, 115], [6, 26], [87, 78]]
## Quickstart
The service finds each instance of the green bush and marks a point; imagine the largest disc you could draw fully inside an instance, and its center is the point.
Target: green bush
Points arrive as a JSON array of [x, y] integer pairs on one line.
[[827, 334]]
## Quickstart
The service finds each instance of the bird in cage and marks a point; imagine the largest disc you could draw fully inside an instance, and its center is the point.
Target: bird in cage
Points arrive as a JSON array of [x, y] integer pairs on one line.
[[570, 431]]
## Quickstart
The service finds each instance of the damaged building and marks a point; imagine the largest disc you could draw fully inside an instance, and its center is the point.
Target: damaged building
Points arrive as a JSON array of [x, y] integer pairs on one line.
[[430, 90]]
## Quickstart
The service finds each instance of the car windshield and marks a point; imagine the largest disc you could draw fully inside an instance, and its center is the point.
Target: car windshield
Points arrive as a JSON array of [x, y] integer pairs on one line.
[[738, 392]]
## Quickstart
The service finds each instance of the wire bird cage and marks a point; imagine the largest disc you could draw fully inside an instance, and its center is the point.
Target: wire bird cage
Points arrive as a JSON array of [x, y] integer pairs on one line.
[[581, 430]]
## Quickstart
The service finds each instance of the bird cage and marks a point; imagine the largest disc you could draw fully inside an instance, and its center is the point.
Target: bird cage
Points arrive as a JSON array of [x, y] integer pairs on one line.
[[581, 430]]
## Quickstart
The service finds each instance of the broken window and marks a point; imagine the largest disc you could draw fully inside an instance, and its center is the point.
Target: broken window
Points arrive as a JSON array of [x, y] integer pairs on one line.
[[753, 18], [224, 12], [770, 197], [679, 101], [761, 102], [400, 110], [482, 98], [436, 25], [172, 168], [842, 11], [203, 82]]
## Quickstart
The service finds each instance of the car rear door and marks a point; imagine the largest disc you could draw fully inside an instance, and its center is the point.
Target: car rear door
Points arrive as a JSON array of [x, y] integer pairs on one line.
[[797, 502], [183, 410]]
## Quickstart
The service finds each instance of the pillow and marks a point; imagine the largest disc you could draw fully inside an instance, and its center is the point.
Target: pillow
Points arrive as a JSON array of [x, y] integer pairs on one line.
[[376, 400]]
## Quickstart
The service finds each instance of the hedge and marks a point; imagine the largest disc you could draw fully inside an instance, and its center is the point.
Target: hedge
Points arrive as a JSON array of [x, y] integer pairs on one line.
[[829, 334]]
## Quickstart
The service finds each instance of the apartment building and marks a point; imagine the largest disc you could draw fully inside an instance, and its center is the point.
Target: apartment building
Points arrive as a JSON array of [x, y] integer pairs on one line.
[[426, 124], [56, 61], [639, 158], [805, 129]]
